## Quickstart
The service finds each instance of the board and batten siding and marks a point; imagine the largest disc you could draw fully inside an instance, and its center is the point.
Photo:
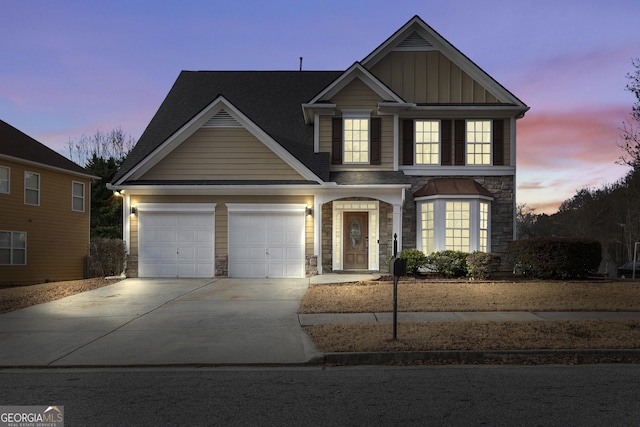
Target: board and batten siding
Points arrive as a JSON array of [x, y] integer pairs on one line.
[[222, 154], [222, 216], [429, 77], [57, 236]]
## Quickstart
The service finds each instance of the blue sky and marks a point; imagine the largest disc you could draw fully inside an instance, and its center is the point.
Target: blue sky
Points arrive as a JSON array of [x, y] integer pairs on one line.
[[69, 68]]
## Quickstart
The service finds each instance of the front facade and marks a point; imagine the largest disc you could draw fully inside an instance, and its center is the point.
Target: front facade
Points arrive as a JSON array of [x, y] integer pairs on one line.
[[45, 215], [288, 174]]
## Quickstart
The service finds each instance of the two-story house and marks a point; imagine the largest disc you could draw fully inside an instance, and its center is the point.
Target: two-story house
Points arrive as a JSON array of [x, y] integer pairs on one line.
[[287, 173], [45, 202]]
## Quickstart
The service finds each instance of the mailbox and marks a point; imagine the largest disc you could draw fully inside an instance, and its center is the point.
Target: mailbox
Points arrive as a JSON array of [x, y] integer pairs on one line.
[[398, 267]]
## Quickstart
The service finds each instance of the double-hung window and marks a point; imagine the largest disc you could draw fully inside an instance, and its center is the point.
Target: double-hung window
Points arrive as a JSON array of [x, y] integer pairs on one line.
[[5, 174], [356, 140], [13, 248], [478, 142], [31, 188], [77, 196], [427, 144]]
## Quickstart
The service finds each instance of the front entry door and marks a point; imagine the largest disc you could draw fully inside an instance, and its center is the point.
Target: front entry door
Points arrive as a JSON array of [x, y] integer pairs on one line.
[[356, 240]]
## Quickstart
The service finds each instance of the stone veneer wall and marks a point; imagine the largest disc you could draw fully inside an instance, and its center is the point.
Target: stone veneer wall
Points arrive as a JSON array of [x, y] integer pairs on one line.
[[502, 212]]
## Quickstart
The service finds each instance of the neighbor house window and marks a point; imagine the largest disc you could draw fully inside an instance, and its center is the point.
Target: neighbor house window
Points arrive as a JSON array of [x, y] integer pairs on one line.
[[13, 248], [356, 140], [427, 142], [478, 142], [5, 174], [31, 188], [77, 195], [457, 225]]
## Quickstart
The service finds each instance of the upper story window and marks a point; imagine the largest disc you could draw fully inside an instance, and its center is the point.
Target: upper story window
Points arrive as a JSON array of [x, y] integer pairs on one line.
[[31, 188], [427, 142], [5, 175], [13, 248], [77, 196], [356, 140], [478, 142]]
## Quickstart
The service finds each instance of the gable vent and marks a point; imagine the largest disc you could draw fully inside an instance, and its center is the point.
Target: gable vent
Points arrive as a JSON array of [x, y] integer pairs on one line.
[[414, 42], [222, 119]]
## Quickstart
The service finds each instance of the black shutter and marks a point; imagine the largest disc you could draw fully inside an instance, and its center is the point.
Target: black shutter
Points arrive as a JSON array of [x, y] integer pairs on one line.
[[460, 140], [445, 143], [376, 141], [498, 142], [407, 142], [336, 140]]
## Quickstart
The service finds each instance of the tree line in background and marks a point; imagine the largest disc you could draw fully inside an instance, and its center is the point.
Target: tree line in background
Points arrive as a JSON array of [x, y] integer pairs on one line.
[[102, 154], [609, 214]]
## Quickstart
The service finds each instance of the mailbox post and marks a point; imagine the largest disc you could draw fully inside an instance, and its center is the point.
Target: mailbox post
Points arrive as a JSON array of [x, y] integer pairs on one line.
[[398, 267]]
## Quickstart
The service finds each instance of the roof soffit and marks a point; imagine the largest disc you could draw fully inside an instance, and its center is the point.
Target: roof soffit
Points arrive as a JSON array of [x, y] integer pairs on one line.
[[217, 108]]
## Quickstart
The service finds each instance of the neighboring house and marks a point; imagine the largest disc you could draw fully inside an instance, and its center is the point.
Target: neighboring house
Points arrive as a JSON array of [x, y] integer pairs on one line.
[[292, 173], [45, 202]]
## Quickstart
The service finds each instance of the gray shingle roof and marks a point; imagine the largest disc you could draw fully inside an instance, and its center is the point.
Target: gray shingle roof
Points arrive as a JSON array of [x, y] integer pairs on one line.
[[271, 99], [15, 143]]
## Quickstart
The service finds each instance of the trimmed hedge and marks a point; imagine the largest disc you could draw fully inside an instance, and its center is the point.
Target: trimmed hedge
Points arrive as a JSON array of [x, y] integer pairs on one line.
[[483, 265], [449, 263], [555, 258], [415, 260], [107, 257]]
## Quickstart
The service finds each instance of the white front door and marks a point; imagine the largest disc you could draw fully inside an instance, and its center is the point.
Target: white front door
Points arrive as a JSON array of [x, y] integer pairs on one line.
[[266, 244], [176, 244]]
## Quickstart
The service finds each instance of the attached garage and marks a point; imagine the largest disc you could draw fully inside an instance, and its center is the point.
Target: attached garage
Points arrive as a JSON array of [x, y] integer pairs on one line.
[[176, 240], [266, 240]]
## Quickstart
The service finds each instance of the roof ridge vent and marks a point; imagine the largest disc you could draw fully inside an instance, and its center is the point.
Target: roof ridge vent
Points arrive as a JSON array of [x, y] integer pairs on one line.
[[414, 42], [222, 119]]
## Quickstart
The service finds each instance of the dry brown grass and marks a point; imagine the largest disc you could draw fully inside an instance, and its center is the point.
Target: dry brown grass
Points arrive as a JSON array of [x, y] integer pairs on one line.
[[417, 295], [477, 335], [15, 298], [422, 295]]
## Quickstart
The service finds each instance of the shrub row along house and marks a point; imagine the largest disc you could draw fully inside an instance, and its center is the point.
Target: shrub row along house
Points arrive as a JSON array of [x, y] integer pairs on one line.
[[45, 202], [293, 173]]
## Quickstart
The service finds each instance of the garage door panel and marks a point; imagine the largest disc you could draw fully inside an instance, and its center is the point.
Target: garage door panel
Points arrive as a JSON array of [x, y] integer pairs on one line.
[[266, 244], [176, 244]]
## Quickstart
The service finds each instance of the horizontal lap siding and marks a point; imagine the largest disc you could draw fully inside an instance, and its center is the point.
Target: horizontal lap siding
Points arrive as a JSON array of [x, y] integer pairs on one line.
[[57, 236], [222, 153], [221, 215]]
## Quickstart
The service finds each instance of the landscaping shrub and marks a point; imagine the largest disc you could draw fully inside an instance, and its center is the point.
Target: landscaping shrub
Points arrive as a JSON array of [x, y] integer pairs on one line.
[[106, 257], [415, 260], [555, 258], [482, 265], [449, 263]]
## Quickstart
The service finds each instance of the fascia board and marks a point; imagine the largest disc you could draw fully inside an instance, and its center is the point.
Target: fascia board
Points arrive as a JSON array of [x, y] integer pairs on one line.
[[458, 170], [196, 122], [48, 167], [447, 49], [357, 70]]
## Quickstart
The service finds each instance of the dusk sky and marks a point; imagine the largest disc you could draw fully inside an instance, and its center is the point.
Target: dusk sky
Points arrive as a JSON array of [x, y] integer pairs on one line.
[[69, 68]]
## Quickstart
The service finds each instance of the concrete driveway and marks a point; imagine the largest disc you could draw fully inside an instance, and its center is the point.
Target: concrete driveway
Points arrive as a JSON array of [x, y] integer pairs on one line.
[[163, 322]]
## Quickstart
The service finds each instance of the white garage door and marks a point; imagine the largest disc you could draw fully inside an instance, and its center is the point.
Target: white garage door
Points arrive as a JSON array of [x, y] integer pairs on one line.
[[176, 244], [266, 244]]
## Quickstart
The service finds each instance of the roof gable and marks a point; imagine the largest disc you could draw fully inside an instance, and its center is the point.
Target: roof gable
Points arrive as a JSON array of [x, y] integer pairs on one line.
[[17, 145], [417, 36]]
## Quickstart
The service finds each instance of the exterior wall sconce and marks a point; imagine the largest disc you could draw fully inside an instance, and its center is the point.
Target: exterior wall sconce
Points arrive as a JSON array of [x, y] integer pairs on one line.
[[133, 210], [308, 211]]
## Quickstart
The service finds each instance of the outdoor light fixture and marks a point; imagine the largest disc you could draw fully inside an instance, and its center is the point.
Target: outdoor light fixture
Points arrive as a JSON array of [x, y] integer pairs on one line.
[[133, 210], [308, 211]]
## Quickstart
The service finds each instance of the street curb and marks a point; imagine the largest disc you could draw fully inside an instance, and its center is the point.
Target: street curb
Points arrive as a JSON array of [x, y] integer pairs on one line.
[[574, 356]]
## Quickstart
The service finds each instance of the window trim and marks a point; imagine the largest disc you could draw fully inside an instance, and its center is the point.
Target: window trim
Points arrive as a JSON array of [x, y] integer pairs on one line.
[[467, 143], [74, 197], [12, 248], [439, 212], [8, 169], [415, 142], [37, 190]]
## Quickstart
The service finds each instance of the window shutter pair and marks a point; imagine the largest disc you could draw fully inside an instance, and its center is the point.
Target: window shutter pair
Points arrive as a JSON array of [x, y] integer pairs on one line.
[[408, 142], [375, 137]]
